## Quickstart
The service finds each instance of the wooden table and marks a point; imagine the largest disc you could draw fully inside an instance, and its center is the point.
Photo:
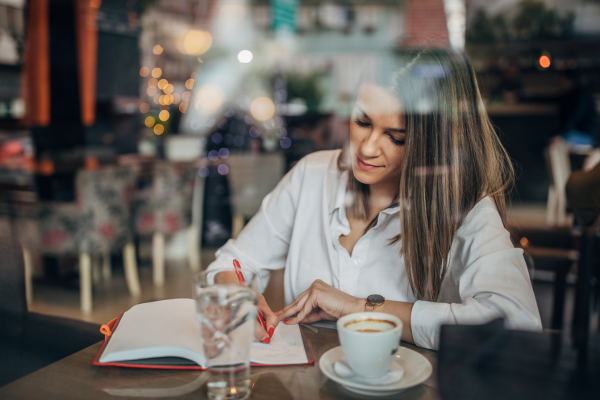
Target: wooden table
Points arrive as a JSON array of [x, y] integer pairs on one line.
[[75, 377]]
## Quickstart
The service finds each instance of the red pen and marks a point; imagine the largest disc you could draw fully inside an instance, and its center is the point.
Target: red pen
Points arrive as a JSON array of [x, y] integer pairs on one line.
[[259, 317]]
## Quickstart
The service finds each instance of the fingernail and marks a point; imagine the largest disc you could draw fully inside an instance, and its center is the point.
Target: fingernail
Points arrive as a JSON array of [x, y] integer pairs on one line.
[[278, 312], [266, 340], [289, 319], [271, 330]]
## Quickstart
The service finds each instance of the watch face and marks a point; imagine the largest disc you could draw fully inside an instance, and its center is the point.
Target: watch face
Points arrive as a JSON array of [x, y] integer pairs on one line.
[[375, 299]]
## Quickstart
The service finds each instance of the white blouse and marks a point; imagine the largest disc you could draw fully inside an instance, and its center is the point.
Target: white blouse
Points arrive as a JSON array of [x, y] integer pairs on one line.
[[298, 228]]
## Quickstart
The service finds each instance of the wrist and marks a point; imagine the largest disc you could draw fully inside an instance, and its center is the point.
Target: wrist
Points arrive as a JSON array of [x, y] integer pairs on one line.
[[360, 305]]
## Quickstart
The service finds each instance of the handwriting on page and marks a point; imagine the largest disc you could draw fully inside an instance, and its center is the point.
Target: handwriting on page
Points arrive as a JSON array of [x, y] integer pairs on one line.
[[276, 351], [286, 347]]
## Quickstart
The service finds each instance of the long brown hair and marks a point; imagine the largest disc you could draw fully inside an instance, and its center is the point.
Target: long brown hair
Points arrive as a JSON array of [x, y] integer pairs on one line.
[[453, 159]]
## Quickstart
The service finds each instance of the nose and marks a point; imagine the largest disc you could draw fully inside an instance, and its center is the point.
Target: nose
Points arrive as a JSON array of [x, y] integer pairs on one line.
[[370, 145]]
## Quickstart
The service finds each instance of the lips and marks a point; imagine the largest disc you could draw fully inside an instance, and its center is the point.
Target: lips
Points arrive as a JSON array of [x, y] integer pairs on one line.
[[364, 166]]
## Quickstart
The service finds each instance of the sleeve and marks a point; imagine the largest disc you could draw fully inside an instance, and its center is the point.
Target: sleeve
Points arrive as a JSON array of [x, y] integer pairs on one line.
[[262, 246], [492, 280]]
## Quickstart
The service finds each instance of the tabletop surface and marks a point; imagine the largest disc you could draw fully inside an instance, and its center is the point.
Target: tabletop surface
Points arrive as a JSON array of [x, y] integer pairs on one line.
[[75, 377]]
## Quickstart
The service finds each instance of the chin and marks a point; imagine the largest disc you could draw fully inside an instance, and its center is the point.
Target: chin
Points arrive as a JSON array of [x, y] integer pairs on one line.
[[364, 177]]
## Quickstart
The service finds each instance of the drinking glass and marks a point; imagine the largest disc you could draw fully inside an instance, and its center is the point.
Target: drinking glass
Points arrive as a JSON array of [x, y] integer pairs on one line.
[[226, 312]]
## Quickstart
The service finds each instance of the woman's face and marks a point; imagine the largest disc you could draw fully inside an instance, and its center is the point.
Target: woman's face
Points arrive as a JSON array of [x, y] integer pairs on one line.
[[377, 135]]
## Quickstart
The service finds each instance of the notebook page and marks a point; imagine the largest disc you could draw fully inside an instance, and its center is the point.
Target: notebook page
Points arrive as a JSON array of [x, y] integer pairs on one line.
[[286, 347], [158, 329]]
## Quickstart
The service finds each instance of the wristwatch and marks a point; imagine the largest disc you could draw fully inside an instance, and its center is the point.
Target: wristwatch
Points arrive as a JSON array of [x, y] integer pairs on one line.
[[373, 301]]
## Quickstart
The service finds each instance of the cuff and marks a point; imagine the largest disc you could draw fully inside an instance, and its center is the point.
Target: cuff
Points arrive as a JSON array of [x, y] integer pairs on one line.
[[425, 321]]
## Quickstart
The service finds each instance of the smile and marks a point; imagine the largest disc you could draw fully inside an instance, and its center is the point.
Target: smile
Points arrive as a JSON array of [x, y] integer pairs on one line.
[[366, 167]]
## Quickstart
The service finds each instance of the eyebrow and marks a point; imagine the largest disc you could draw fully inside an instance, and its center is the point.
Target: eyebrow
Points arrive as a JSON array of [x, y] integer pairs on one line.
[[366, 116]]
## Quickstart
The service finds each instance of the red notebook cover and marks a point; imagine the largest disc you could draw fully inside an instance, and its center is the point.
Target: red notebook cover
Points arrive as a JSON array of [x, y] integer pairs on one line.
[[171, 363]]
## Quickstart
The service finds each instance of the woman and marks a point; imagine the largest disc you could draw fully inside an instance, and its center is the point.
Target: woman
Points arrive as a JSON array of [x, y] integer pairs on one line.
[[412, 210]]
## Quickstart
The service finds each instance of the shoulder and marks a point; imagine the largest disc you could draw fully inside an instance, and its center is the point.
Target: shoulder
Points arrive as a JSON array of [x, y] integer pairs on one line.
[[320, 160], [484, 213], [317, 164], [483, 229]]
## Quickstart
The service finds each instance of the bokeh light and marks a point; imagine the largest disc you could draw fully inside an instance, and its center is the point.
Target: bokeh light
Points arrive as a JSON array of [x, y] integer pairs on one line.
[[183, 107], [262, 108], [163, 115], [144, 108], [254, 132], [163, 83], [213, 155], [286, 142], [186, 96], [168, 89], [544, 61], [224, 153], [144, 71], [149, 121], [223, 169], [209, 98], [159, 129], [153, 82], [151, 91], [217, 138], [189, 84], [203, 172], [196, 43], [156, 72], [157, 49], [245, 56], [176, 98], [157, 99]]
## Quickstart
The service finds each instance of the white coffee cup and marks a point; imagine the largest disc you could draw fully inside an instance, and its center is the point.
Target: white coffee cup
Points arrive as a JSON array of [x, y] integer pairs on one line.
[[370, 341]]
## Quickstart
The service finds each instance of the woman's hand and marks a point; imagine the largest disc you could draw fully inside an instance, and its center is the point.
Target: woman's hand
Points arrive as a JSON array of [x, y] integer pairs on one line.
[[271, 320], [320, 301]]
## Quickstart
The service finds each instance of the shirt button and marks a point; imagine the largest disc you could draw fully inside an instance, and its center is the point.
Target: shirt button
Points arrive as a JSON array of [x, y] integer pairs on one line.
[[357, 261]]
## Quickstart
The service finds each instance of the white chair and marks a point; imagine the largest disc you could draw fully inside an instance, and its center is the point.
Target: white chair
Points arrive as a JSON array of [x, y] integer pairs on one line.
[[251, 177], [559, 169]]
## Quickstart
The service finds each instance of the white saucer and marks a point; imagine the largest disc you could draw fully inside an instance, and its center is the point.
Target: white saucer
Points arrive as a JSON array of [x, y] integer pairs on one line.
[[416, 371]]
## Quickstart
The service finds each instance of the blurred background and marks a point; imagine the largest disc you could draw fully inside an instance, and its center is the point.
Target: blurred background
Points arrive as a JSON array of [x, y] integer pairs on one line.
[[138, 136]]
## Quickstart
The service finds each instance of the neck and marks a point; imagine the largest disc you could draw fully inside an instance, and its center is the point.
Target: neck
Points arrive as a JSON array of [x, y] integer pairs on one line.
[[381, 195]]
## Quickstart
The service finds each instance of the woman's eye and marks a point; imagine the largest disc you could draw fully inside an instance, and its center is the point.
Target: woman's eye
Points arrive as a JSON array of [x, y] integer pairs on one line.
[[397, 142], [361, 123]]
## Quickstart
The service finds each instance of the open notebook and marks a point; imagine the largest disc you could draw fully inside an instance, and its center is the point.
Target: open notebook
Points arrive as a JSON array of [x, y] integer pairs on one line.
[[164, 334]]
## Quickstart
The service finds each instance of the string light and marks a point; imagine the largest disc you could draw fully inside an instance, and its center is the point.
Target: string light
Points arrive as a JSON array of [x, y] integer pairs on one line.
[[157, 49], [168, 89], [144, 71], [144, 108], [156, 72], [163, 115], [159, 129], [149, 121], [189, 84], [153, 82], [163, 83]]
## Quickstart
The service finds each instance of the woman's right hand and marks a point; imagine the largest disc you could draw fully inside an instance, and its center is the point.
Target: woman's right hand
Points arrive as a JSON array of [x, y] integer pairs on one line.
[[271, 320]]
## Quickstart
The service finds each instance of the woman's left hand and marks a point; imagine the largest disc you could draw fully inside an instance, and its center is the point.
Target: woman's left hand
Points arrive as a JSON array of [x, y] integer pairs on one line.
[[320, 301]]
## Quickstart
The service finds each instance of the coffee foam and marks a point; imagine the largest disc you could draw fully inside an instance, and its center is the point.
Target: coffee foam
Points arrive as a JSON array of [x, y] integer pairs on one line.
[[374, 324]]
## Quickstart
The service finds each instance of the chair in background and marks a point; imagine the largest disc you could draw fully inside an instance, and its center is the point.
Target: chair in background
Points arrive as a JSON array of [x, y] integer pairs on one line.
[[91, 229], [251, 178], [559, 170], [30, 341], [583, 194], [104, 201], [164, 208]]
